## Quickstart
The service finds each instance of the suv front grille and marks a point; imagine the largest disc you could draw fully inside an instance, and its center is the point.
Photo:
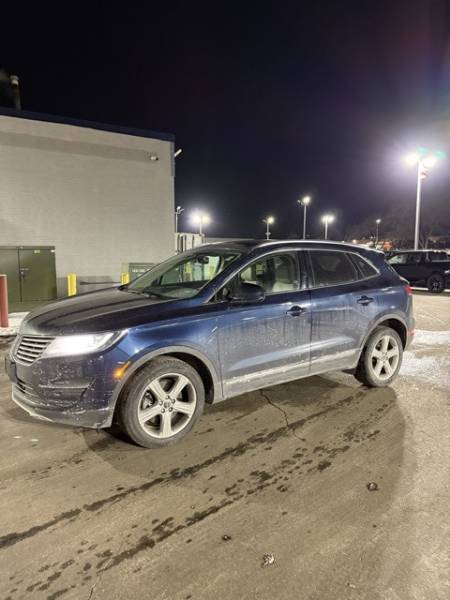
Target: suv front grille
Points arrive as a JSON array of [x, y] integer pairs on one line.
[[31, 347]]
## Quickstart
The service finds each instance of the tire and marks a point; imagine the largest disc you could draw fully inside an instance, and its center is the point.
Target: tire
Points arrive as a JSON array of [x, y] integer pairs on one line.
[[376, 368], [436, 283], [162, 403]]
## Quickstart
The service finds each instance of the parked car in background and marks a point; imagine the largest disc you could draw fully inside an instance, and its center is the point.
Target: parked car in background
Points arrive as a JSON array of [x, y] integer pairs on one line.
[[430, 268], [210, 324]]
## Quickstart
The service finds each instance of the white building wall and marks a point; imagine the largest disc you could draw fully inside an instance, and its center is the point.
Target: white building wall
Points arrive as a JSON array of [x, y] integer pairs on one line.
[[94, 195]]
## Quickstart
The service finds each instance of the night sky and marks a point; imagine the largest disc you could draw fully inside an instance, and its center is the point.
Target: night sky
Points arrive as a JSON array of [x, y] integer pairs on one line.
[[269, 101]]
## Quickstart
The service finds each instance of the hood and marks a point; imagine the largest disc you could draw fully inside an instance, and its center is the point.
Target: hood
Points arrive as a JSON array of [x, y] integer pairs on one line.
[[106, 310]]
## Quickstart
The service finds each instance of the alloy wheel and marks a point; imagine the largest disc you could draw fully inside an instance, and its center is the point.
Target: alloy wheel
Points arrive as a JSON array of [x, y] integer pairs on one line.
[[435, 284], [385, 357], [167, 405]]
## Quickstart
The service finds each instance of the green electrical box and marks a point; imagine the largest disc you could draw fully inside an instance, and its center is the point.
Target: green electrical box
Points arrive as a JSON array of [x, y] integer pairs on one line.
[[31, 275], [135, 269]]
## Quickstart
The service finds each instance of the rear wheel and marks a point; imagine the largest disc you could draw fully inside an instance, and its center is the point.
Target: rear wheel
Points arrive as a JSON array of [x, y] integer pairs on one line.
[[435, 283], [162, 403], [381, 358]]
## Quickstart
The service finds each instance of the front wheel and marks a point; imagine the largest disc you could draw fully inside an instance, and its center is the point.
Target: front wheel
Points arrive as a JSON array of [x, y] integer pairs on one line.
[[381, 358], [162, 402], [435, 283]]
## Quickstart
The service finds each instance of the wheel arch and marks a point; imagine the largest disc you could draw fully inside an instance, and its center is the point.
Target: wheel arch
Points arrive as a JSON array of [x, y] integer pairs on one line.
[[204, 367], [395, 322]]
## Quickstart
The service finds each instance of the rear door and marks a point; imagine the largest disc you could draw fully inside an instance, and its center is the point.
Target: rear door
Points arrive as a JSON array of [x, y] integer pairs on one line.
[[344, 305], [266, 343]]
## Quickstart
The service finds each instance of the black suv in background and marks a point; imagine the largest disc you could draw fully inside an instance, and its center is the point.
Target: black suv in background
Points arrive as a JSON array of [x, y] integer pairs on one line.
[[430, 268]]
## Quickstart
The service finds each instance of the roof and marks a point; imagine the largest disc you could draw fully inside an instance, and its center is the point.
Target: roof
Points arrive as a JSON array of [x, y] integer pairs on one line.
[[420, 250], [32, 116], [250, 245]]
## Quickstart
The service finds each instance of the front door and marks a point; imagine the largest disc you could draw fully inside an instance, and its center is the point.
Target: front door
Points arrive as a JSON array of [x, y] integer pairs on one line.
[[410, 265], [266, 343], [416, 268]]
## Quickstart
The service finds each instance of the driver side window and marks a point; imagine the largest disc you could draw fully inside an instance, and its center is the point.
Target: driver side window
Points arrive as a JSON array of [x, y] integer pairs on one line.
[[201, 268], [276, 273], [398, 259]]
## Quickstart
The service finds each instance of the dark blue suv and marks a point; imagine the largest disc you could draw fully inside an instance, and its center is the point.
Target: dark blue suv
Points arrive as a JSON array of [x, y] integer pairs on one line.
[[206, 325]]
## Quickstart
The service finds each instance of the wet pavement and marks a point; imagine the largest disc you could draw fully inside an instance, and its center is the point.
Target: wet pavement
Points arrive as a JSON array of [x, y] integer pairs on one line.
[[269, 496]]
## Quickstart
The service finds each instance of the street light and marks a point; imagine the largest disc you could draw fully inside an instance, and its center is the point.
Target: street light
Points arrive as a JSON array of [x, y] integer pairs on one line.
[[377, 222], [424, 159], [305, 201], [268, 221], [178, 212], [200, 219], [327, 220]]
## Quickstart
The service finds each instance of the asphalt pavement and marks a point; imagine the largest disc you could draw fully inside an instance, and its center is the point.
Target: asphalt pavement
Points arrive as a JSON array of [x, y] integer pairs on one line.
[[320, 489]]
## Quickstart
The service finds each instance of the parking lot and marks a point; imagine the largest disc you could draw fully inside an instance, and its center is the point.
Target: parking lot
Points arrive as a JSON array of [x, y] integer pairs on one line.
[[283, 471]]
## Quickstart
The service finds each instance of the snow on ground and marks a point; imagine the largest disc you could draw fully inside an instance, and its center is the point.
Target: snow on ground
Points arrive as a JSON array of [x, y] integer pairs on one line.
[[428, 358]]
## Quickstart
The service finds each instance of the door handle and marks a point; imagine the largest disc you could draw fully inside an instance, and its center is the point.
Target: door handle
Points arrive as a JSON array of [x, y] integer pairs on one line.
[[364, 300], [295, 311]]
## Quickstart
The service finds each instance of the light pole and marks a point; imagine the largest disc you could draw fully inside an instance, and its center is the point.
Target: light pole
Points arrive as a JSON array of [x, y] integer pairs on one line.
[[201, 219], [305, 201], [327, 220], [178, 212], [268, 221], [425, 160], [377, 222]]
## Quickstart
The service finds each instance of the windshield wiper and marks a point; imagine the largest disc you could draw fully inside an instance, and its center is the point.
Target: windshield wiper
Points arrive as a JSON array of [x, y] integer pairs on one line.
[[150, 292]]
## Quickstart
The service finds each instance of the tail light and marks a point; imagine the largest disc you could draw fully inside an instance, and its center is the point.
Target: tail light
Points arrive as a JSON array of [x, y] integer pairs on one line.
[[409, 290]]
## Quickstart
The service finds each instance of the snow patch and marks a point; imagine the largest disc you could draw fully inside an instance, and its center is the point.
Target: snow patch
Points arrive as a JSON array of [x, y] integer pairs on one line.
[[432, 338]]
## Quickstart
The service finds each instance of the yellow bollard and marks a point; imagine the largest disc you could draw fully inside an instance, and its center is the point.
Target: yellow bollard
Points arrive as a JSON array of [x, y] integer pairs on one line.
[[124, 278], [71, 284]]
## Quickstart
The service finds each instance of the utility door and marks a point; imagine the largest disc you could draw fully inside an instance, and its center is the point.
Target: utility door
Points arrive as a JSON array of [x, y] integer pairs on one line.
[[9, 266], [37, 274]]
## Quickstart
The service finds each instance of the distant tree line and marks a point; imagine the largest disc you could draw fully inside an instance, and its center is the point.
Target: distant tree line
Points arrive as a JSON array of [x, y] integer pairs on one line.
[[397, 225]]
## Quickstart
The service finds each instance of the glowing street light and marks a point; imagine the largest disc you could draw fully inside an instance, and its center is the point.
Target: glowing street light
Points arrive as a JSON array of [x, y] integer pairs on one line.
[[200, 219], [377, 222], [268, 221], [327, 220], [412, 159], [305, 201], [424, 159]]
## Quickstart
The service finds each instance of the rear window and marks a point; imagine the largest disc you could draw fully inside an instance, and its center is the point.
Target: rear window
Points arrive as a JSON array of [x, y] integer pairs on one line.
[[332, 268], [366, 268]]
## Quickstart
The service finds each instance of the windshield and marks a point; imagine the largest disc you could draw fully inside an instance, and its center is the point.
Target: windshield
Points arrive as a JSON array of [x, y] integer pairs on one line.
[[182, 276]]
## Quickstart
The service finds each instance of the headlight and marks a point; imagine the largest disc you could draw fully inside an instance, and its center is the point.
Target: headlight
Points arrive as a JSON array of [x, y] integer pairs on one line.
[[73, 345]]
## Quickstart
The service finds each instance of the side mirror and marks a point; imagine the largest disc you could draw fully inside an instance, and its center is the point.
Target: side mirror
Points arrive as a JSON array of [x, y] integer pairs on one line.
[[247, 293]]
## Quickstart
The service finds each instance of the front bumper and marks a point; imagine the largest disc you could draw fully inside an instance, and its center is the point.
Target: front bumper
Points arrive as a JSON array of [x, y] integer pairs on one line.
[[80, 418], [71, 392]]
